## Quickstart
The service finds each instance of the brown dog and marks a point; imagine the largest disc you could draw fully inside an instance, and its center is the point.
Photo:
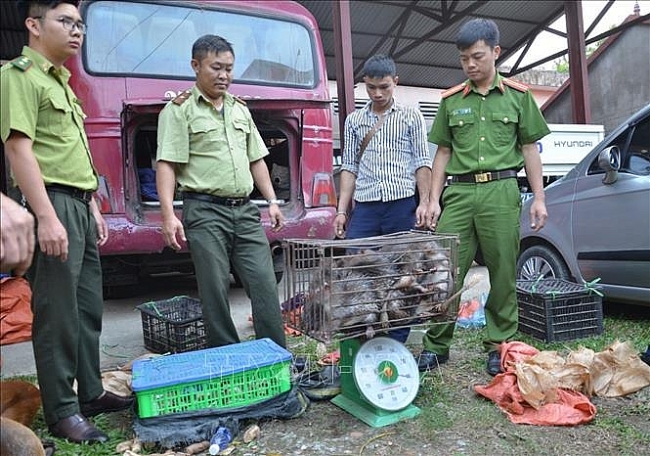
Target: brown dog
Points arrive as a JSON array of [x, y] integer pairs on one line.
[[19, 403]]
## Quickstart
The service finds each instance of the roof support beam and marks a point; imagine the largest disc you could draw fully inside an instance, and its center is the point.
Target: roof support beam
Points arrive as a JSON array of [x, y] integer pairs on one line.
[[580, 99], [343, 61]]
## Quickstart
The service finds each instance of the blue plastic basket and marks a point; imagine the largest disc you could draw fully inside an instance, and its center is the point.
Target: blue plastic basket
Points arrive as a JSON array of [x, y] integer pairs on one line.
[[215, 378]]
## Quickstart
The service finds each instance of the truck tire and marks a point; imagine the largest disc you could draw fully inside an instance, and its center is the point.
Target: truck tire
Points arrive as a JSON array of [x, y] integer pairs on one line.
[[541, 260]]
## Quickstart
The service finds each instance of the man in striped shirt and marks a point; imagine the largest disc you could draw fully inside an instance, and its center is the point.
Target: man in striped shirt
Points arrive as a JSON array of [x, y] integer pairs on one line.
[[385, 155]]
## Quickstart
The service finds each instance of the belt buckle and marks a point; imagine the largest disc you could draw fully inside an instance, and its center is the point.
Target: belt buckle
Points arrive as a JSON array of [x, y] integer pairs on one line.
[[232, 202], [483, 177]]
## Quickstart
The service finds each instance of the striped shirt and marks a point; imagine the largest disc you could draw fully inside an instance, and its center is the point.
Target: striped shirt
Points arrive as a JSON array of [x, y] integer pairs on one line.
[[386, 170]]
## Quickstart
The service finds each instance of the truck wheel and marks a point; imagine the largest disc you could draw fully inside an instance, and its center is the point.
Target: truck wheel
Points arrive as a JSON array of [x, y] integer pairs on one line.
[[540, 260]]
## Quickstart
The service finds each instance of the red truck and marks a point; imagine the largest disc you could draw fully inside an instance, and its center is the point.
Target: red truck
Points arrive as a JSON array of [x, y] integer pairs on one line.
[[136, 57]]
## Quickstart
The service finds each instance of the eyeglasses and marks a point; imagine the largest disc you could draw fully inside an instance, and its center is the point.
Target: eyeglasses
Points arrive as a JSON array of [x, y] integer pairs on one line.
[[68, 24]]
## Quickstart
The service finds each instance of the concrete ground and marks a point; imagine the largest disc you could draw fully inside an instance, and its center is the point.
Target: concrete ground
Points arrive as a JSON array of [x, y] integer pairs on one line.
[[122, 339]]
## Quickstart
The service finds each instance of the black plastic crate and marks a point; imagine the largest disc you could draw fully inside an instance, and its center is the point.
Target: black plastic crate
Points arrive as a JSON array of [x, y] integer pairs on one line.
[[556, 310], [173, 325]]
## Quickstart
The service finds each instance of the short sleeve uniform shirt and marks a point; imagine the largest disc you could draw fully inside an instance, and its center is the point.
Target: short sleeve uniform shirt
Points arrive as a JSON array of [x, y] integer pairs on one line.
[[486, 132], [212, 149], [38, 102]]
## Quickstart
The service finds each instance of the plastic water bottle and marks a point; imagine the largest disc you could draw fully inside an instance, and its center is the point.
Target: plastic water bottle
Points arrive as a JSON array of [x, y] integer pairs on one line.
[[220, 440]]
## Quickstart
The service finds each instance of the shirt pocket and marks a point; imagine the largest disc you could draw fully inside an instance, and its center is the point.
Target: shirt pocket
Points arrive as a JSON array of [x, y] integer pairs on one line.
[[241, 130], [60, 120], [203, 134], [504, 126], [463, 130]]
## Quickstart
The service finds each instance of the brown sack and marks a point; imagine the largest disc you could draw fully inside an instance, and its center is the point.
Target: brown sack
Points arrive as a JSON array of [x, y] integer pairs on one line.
[[15, 311], [117, 382], [536, 384], [618, 371]]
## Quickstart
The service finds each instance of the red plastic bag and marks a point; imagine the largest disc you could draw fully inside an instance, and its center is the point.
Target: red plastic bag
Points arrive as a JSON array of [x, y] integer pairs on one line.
[[15, 310]]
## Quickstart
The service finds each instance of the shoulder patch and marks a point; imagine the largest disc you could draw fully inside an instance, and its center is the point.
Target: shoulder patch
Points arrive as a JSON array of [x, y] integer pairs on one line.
[[453, 90], [22, 63], [239, 100], [182, 97], [515, 85]]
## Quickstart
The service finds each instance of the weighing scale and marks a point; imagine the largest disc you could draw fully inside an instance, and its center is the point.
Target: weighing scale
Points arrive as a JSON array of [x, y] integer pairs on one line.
[[379, 380]]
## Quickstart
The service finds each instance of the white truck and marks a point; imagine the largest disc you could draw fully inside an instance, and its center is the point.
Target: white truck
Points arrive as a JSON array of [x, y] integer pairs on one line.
[[562, 149]]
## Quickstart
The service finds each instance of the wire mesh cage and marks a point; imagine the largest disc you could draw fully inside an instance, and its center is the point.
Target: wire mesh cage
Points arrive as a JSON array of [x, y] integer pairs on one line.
[[340, 289]]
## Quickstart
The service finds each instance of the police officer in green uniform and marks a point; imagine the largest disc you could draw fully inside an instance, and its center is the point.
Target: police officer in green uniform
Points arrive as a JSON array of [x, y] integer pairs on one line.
[[485, 129], [47, 148], [209, 145]]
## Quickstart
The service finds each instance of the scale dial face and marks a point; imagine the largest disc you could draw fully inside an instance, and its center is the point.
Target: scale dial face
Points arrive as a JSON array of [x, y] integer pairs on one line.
[[386, 374]]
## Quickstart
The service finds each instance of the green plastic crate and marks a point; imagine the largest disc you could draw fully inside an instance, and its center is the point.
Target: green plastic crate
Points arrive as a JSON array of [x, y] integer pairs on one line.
[[216, 378]]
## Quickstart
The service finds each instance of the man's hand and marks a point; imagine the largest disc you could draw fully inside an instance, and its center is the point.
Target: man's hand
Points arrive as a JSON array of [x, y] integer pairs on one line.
[[421, 215], [52, 237], [102, 227], [276, 216], [17, 237], [339, 225], [538, 214], [171, 228], [433, 213]]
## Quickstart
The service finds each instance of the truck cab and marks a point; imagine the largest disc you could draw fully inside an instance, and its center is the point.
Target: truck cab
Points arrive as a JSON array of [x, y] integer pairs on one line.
[[136, 57]]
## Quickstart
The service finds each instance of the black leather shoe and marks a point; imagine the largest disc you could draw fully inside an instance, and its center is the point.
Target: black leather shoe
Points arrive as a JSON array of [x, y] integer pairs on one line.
[[78, 429], [429, 360], [494, 363], [107, 402]]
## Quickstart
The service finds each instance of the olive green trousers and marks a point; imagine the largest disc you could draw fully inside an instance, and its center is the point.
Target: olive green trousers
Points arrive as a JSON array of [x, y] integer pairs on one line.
[[484, 215], [219, 235], [67, 304]]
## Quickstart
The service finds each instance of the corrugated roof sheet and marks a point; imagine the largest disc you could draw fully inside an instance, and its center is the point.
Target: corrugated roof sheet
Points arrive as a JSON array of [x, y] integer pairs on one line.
[[420, 34]]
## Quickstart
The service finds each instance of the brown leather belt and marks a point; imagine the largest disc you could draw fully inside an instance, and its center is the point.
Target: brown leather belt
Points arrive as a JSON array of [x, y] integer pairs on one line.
[[487, 176], [74, 192], [232, 202]]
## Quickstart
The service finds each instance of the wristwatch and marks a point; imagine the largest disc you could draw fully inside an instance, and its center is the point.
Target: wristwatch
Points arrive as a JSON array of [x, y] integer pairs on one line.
[[275, 201]]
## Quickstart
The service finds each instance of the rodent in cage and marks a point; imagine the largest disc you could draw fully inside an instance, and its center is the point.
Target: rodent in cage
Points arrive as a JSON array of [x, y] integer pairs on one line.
[[376, 289]]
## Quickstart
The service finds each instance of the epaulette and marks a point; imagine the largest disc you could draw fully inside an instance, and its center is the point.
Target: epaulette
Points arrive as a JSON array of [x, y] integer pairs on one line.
[[239, 100], [182, 97], [515, 85], [22, 63], [453, 90]]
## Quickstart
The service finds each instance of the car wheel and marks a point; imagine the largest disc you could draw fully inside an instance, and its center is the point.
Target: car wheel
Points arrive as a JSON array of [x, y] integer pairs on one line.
[[540, 260]]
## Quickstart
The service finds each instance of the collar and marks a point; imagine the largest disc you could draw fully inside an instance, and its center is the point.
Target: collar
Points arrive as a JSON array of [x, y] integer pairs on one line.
[[395, 106], [45, 65], [497, 83], [197, 95]]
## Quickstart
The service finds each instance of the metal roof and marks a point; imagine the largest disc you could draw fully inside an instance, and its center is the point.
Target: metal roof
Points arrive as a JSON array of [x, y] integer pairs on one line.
[[420, 34]]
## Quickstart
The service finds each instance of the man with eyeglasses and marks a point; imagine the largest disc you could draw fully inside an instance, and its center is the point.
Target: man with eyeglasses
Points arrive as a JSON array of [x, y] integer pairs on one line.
[[45, 142]]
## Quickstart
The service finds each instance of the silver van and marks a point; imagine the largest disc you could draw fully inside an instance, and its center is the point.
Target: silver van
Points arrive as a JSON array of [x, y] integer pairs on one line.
[[598, 228]]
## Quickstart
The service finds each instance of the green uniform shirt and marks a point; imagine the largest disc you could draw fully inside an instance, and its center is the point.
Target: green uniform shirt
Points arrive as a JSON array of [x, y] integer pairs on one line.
[[38, 102], [485, 132], [213, 150]]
